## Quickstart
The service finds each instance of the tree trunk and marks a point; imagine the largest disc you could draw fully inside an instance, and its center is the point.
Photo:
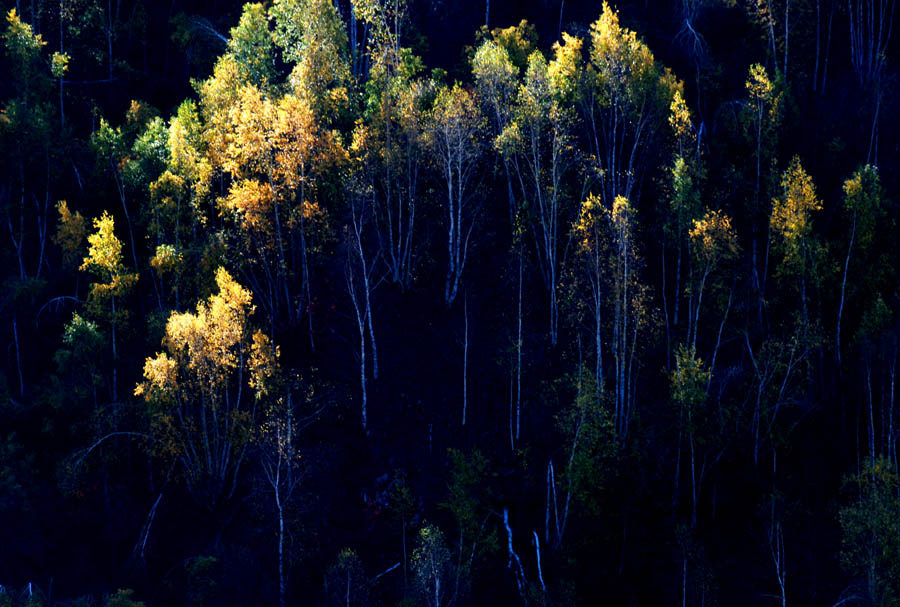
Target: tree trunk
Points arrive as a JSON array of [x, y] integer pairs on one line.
[[519, 351], [843, 289], [465, 360]]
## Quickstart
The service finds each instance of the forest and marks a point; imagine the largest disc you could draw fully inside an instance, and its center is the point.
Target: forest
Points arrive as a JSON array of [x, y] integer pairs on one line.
[[399, 302]]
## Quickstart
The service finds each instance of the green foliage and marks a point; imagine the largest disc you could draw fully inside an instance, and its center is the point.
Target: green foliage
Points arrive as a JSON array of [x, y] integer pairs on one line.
[[122, 598], [685, 205], [870, 524], [21, 41], [471, 502], [345, 581], [252, 45], [589, 432], [517, 41], [312, 37], [688, 385], [864, 203], [202, 581], [59, 64]]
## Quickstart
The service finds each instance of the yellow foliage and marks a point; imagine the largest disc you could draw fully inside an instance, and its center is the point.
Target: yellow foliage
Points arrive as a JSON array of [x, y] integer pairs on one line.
[[680, 120], [166, 259], [253, 202], [263, 363], [791, 215], [713, 238], [70, 233], [589, 222], [104, 258], [564, 69]]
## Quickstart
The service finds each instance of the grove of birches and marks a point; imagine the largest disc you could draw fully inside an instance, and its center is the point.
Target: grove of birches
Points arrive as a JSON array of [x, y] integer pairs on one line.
[[448, 303]]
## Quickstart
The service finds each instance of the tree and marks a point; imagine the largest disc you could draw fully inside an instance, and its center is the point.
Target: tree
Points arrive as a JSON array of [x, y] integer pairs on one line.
[[870, 525], [104, 259], [792, 222], [496, 80], [589, 448], [457, 130], [591, 255], [359, 273], [432, 567], [624, 101], [112, 147], [252, 46], [277, 440], [761, 120], [312, 37], [863, 204], [469, 500], [538, 144], [25, 136], [196, 390], [688, 392], [713, 243], [630, 313], [345, 581], [683, 209], [392, 146]]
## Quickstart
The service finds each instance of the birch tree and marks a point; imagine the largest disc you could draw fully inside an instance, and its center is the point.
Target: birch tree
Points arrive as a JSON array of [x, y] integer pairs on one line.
[[201, 391], [863, 205], [496, 80], [457, 131], [761, 119], [538, 143], [713, 244], [688, 392], [394, 140], [791, 221], [625, 100], [630, 316], [361, 266], [104, 259]]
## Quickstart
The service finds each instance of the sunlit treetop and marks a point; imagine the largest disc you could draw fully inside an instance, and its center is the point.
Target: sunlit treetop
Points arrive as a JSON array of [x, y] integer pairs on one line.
[[205, 339], [713, 239], [792, 216], [758, 84], [312, 37], [185, 145], [764, 94], [689, 379], [493, 70], [20, 39], [564, 69], [680, 121], [218, 94], [863, 201], [519, 41], [252, 45], [624, 65], [105, 249], [70, 233], [104, 259], [590, 223]]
